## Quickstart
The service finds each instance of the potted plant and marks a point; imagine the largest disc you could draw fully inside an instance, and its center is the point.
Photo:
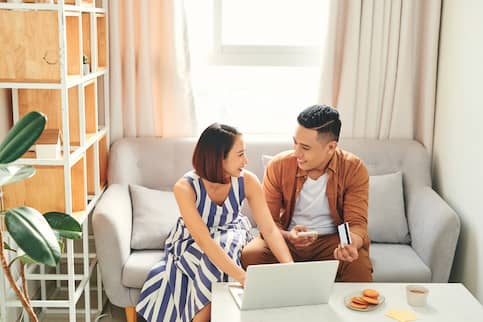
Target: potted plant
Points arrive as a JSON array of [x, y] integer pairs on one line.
[[86, 67], [39, 237]]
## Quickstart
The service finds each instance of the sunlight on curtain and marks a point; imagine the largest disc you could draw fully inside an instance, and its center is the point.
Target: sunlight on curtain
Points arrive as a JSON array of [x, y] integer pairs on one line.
[[149, 66], [380, 67]]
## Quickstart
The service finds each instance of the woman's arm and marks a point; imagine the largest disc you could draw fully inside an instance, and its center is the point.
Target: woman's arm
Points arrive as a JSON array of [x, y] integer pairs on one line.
[[264, 220], [186, 200]]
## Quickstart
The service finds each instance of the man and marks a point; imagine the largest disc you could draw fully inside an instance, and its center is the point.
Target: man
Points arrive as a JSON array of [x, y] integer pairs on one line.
[[317, 187]]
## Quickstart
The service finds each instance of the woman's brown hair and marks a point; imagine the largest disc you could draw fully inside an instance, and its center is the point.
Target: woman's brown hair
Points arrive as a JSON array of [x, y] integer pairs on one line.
[[212, 148]]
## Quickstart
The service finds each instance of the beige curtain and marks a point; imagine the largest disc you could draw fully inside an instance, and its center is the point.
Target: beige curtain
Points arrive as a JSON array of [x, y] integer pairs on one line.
[[380, 67], [149, 69]]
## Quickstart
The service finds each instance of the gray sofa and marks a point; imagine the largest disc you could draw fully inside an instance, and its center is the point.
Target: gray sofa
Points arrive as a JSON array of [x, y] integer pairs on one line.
[[423, 253]]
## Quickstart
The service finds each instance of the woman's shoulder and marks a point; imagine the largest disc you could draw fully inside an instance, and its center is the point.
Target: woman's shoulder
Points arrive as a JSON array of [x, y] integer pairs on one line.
[[183, 188], [190, 175], [186, 180], [248, 175], [250, 179]]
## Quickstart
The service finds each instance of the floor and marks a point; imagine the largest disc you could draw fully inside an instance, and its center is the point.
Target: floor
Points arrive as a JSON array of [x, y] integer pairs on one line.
[[110, 313]]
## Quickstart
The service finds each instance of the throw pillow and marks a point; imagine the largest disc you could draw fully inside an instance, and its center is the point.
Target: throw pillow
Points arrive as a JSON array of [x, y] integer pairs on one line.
[[155, 213], [387, 219]]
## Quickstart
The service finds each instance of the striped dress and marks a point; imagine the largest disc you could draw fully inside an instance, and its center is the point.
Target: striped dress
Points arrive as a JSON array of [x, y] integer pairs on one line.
[[180, 285]]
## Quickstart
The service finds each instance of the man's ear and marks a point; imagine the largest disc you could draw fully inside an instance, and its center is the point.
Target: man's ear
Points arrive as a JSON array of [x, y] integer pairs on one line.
[[332, 146]]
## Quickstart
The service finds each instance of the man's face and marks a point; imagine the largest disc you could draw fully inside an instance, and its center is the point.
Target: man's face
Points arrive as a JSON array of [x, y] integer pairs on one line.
[[312, 151]]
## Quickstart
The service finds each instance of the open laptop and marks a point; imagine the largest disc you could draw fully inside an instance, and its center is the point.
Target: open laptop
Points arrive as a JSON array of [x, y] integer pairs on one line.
[[279, 285]]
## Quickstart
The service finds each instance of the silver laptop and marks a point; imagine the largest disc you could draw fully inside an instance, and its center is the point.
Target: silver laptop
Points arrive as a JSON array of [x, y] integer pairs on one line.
[[279, 285]]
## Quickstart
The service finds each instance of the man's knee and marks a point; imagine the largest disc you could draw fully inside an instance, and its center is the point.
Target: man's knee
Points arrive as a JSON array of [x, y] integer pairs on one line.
[[359, 270]]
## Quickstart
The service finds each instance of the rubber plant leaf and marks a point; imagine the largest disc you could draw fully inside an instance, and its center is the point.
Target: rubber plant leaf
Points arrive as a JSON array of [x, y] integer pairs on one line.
[[33, 235], [22, 136]]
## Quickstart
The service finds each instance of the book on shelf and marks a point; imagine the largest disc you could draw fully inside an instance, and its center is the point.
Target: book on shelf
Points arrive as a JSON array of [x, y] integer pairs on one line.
[[48, 146]]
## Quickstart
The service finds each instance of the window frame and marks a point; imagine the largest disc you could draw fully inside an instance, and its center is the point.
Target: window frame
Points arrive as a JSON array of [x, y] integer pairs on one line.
[[257, 55]]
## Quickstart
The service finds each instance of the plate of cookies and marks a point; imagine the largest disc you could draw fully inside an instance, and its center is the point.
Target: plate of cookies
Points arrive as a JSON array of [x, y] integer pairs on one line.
[[365, 300]]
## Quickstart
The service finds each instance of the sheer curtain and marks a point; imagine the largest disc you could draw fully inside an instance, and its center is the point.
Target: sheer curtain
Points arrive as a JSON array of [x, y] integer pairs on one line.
[[380, 67], [149, 69]]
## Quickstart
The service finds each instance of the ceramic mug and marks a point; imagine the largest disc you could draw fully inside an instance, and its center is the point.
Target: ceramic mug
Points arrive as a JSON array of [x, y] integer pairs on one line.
[[417, 295]]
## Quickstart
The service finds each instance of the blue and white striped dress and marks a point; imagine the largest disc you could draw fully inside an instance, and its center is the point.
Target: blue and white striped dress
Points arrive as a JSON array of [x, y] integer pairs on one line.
[[180, 285]]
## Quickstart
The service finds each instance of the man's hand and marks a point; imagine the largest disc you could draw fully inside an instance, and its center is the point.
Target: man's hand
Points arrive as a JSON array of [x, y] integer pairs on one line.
[[300, 241], [349, 253]]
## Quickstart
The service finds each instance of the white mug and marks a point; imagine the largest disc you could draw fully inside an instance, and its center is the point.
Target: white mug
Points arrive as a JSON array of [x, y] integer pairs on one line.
[[417, 295]]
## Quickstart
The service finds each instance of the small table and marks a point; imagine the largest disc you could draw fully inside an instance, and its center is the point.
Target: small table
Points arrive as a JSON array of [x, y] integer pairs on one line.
[[446, 302]]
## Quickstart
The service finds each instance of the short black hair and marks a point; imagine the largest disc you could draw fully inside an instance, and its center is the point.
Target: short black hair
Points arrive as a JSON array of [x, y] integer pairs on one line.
[[212, 148], [323, 118]]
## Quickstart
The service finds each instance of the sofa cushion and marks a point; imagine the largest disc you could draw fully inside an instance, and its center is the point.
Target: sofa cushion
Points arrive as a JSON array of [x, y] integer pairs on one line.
[[154, 214], [386, 205], [138, 265], [398, 263]]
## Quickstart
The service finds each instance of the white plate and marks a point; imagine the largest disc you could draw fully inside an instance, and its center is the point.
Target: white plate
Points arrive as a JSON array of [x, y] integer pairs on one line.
[[348, 300]]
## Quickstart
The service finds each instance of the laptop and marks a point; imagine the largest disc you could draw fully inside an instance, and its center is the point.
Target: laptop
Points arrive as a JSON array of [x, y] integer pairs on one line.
[[279, 285]]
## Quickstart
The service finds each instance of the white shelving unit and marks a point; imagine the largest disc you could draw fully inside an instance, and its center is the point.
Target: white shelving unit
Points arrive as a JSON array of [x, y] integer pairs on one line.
[[42, 63]]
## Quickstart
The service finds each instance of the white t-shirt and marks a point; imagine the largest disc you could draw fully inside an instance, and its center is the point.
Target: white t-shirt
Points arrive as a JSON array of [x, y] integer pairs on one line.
[[312, 207]]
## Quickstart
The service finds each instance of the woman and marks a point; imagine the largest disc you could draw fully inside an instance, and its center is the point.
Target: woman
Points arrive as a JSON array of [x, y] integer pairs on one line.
[[205, 244]]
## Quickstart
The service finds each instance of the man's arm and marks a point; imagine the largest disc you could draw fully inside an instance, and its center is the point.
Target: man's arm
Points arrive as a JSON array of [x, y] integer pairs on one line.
[[356, 203], [273, 191]]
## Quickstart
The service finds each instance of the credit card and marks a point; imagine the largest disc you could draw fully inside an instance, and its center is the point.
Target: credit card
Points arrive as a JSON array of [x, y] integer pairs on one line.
[[344, 234]]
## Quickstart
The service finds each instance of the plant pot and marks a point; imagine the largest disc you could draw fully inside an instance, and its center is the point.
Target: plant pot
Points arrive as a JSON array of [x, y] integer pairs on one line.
[[86, 69]]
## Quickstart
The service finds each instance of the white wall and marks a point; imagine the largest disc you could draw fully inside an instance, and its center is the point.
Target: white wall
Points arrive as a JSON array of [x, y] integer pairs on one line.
[[458, 145]]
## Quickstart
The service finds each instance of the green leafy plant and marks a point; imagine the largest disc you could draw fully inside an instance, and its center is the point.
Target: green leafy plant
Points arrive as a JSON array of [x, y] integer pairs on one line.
[[85, 59], [38, 237]]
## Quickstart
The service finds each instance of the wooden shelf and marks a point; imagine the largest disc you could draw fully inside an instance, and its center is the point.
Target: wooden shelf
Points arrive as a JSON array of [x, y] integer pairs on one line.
[[96, 160], [86, 38], [41, 45], [103, 148], [91, 173], [49, 102], [45, 191], [87, 3], [73, 44], [32, 56], [101, 41], [90, 106]]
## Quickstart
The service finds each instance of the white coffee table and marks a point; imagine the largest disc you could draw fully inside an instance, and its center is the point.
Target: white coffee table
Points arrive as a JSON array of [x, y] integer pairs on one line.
[[446, 302]]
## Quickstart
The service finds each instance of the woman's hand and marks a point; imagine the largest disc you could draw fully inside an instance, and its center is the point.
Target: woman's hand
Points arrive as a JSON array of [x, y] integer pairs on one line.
[[241, 277]]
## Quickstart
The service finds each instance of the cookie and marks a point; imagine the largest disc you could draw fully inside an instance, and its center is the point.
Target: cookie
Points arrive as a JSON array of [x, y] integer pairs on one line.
[[359, 300], [370, 293], [359, 306], [371, 300]]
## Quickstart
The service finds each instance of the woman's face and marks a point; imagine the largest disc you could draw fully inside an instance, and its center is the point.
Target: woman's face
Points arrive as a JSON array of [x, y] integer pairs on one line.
[[236, 159]]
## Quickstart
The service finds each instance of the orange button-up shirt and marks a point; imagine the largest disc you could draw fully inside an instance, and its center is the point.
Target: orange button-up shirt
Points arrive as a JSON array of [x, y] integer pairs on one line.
[[347, 190]]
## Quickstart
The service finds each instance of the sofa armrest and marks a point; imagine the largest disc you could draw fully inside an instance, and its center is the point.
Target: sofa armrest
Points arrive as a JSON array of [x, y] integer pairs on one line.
[[112, 226], [434, 229]]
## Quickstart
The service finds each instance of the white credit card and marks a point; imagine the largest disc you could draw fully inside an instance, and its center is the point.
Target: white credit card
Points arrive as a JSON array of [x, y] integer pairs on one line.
[[344, 234]]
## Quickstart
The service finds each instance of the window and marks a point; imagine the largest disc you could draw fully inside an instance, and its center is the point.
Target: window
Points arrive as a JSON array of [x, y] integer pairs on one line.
[[255, 63]]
